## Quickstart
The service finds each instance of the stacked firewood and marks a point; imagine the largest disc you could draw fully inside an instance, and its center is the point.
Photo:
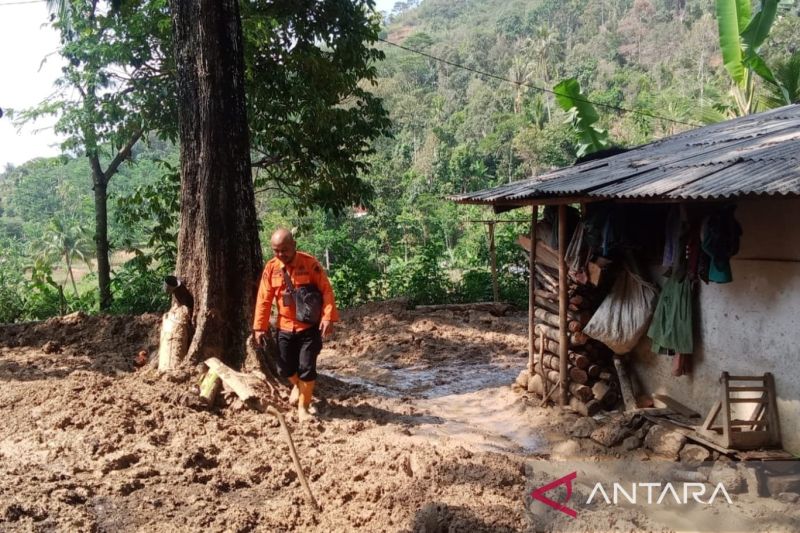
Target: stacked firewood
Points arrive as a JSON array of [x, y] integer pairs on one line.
[[593, 384]]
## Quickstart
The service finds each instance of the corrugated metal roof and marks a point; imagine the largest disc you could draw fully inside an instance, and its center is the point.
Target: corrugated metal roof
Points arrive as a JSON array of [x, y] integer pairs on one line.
[[752, 155]]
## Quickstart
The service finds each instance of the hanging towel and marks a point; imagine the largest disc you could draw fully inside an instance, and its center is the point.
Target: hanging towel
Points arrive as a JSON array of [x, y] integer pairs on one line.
[[671, 327]]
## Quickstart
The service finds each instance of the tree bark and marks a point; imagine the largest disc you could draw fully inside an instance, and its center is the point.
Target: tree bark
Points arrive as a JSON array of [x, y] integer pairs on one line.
[[101, 234], [219, 256]]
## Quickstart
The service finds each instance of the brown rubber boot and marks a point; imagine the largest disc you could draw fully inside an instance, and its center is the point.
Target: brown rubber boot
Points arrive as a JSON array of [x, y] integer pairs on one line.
[[294, 396], [304, 409]]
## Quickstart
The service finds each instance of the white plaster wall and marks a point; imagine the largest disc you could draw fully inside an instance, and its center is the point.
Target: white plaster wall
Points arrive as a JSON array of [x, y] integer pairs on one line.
[[748, 326]]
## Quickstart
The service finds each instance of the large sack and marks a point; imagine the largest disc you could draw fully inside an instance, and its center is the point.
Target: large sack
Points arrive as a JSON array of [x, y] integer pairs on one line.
[[624, 315]]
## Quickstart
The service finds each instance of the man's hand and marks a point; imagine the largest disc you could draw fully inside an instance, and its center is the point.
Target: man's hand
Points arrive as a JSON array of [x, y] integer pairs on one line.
[[326, 327], [258, 336]]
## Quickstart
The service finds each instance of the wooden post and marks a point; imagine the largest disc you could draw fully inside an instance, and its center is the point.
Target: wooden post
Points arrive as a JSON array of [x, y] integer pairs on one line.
[[563, 346], [532, 290], [493, 256]]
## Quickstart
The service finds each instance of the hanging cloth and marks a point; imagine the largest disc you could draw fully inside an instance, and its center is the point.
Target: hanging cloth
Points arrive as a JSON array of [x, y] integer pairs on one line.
[[671, 328], [720, 240]]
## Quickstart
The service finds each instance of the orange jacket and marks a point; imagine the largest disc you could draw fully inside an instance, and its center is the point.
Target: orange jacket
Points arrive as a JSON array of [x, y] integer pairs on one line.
[[303, 270]]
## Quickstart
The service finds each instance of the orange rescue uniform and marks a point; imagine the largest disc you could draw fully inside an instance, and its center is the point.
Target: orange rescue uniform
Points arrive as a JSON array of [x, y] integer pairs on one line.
[[303, 270]]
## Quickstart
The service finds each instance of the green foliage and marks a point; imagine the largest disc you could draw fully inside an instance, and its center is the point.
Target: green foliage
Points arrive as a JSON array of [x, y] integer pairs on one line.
[[421, 279], [312, 118], [154, 207], [139, 286], [319, 97], [582, 115], [475, 286]]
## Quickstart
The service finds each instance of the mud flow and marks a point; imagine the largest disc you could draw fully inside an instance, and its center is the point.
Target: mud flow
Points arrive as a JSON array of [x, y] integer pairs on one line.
[[418, 429]]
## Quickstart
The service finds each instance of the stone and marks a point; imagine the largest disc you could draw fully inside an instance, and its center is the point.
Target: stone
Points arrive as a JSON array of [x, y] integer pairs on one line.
[[789, 497], [631, 443], [522, 379], [583, 427], [780, 484], [730, 477], [694, 454], [664, 442], [610, 434]]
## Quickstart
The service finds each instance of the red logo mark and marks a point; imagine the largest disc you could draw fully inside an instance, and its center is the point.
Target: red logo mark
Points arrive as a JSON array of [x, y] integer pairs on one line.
[[538, 494]]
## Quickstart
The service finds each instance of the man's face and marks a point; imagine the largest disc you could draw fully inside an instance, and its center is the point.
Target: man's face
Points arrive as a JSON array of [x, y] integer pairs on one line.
[[284, 250]]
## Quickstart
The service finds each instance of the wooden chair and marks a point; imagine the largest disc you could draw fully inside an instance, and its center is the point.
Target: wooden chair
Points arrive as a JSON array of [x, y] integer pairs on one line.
[[761, 429]]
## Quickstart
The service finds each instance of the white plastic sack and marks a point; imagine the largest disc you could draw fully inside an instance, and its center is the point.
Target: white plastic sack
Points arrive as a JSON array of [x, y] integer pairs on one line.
[[624, 315]]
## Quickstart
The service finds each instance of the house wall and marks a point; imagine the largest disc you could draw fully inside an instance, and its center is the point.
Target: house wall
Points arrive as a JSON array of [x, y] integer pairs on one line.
[[748, 326]]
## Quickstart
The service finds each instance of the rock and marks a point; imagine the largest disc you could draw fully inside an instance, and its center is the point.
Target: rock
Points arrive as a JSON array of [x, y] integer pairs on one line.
[[730, 477], [522, 379], [780, 484], [610, 434], [643, 430], [693, 454], [631, 443], [664, 442], [789, 497], [583, 427]]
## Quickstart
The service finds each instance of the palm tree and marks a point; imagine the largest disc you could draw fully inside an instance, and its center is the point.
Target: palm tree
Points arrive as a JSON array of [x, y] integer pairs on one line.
[[68, 241], [521, 72]]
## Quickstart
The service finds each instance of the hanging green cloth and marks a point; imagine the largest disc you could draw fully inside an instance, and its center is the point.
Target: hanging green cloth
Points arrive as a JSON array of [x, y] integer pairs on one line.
[[671, 327]]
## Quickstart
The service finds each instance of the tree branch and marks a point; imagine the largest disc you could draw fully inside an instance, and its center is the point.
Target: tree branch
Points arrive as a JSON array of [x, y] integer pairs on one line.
[[123, 154]]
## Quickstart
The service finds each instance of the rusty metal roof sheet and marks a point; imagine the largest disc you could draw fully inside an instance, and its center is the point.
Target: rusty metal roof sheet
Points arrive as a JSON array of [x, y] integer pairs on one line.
[[752, 155]]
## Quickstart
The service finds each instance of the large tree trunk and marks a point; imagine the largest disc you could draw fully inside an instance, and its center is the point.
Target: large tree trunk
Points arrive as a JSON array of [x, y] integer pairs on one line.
[[219, 256]]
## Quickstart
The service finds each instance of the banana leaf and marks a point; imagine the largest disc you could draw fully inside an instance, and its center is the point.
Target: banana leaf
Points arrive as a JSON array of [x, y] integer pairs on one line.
[[582, 114], [733, 17]]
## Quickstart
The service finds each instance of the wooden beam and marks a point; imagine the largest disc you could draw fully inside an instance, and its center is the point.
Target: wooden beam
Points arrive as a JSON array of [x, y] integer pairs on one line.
[[493, 256], [563, 302], [532, 290]]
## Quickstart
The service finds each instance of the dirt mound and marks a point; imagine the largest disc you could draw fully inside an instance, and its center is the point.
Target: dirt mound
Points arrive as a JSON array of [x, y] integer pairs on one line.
[[105, 343]]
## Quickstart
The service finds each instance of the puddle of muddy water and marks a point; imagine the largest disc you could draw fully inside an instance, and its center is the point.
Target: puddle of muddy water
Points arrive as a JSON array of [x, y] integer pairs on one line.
[[473, 403]]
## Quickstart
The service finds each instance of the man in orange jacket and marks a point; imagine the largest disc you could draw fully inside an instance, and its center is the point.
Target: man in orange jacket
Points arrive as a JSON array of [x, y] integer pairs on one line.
[[299, 343]]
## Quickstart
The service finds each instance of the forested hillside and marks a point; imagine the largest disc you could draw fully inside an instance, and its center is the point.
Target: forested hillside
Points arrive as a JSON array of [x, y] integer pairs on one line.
[[453, 130]]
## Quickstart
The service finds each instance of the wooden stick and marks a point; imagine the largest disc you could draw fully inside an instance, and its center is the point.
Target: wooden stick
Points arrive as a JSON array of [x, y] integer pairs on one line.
[[589, 408], [493, 256], [625, 385], [242, 385], [546, 397], [209, 387], [546, 276], [576, 339], [295, 458]]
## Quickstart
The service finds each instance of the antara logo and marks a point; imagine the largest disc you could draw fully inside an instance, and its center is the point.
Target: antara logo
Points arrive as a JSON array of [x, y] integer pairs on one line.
[[656, 494], [538, 494]]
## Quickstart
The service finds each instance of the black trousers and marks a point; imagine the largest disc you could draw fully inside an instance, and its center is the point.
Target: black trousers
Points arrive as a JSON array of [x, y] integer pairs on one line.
[[297, 353]]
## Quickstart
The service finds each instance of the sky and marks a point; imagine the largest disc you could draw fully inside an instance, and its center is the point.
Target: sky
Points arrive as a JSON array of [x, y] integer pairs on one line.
[[25, 40], [24, 43]]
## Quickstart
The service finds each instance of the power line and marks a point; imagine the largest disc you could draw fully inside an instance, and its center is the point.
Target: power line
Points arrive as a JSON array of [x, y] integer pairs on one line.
[[2, 4], [534, 87]]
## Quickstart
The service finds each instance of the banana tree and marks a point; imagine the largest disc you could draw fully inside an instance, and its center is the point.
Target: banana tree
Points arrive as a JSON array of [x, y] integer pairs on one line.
[[582, 115], [740, 38]]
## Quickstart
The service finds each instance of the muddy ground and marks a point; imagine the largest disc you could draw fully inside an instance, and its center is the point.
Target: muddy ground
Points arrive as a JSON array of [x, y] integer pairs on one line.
[[418, 430]]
